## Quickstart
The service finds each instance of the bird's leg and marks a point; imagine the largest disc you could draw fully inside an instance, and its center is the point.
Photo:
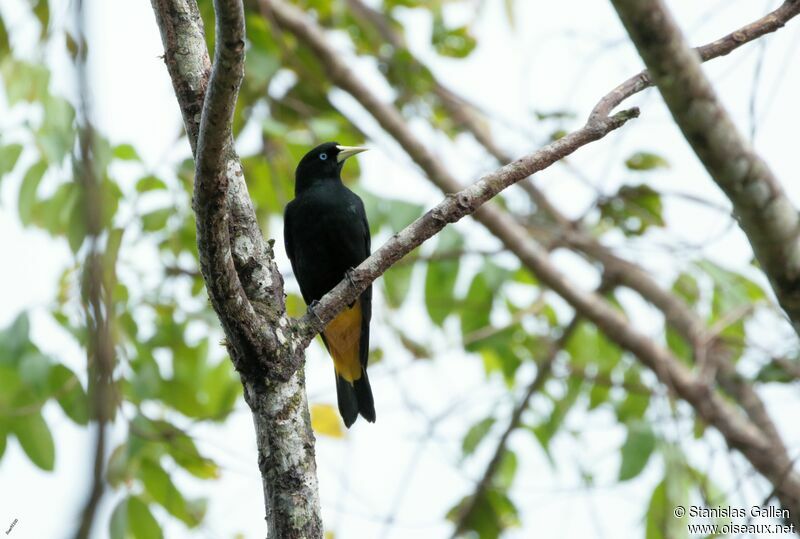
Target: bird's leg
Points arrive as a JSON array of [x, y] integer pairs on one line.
[[313, 310], [350, 276]]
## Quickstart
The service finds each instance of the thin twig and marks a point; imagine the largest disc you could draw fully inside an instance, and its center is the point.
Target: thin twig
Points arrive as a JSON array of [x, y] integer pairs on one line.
[[98, 307], [543, 371]]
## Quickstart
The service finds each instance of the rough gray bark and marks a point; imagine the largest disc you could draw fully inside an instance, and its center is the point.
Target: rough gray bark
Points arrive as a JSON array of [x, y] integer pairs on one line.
[[764, 212], [767, 24], [244, 283]]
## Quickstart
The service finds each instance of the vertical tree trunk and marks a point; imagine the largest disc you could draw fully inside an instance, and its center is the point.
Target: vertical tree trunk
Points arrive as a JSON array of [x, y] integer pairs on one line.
[[285, 440], [286, 457]]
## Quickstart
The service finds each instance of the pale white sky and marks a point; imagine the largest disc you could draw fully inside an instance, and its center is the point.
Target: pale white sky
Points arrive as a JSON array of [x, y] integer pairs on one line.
[[558, 56]]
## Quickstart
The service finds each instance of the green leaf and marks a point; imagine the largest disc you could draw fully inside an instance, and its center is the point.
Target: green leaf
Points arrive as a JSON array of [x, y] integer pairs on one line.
[[132, 519], [28, 189], [641, 161], [69, 393], [9, 155], [731, 290], [56, 137], [73, 47], [150, 183], [75, 219], [35, 438], [492, 514], [4, 43], [634, 405], [118, 525], [126, 152], [400, 214], [160, 487], [475, 435], [506, 470], [658, 513], [42, 12], [678, 345], [3, 436], [34, 370], [25, 81], [222, 388], [548, 429], [589, 346], [476, 308], [685, 286], [775, 372], [453, 42], [110, 256], [14, 338], [634, 208], [157, 219], [669, 493], [441, 276], [183, 450], [637, 449], [598, 395], [117, 470], [397, 282]]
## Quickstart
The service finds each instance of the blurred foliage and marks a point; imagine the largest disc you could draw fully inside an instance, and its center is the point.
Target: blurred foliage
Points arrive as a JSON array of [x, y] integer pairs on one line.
[[173, 376]]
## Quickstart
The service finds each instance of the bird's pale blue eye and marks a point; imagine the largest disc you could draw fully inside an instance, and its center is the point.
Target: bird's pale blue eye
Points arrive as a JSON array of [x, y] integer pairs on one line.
[[323, 156]]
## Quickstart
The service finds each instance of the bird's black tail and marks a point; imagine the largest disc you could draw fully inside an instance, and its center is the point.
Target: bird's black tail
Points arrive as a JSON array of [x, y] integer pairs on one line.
[[354, 398]]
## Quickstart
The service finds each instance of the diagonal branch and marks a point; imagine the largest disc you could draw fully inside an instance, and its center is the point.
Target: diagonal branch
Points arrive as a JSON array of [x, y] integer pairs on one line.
[[454, 207], [739, 432], [572, 234], [767, 24], [765, 213]]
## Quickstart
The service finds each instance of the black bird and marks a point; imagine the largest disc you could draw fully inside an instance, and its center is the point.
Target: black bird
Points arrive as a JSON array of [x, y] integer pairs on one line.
[[326, 234]]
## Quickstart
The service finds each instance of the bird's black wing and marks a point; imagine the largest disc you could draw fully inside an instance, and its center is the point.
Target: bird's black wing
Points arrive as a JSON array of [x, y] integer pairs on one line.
[[366, 296], [349, 231], [288, 222]]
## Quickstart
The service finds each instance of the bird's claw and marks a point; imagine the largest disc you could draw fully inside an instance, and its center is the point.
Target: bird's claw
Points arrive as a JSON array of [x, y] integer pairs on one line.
[[313, 310], [350, 276]]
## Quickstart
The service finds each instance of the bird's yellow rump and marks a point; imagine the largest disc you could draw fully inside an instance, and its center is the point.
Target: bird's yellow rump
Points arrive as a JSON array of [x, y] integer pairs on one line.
[[342, 337]]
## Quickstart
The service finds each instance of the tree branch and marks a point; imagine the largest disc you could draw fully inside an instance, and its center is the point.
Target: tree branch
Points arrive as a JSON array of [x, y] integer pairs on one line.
[[767, 24], [98, 306], [688, 325], [454, 207], [233, 307], [765, 213], [543, 371], [677, 314], [738, 431], [255, 318]]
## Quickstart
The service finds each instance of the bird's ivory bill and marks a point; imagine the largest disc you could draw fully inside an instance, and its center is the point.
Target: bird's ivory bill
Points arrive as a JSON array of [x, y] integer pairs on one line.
[[349, 151]]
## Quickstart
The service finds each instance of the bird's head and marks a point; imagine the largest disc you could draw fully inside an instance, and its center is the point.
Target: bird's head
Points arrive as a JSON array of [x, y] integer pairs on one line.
[[323, 162]]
